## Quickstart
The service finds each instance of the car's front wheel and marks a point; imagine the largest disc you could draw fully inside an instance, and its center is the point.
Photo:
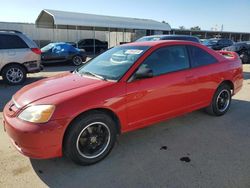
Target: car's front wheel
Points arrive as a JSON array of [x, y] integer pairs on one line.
[[221, 101], [77, 60], [90, 138], [14, 74]]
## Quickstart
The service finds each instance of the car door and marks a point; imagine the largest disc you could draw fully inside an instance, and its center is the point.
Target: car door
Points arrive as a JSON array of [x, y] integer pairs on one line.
[[65, 51], [152, 99], [202, 79], [224, 43], [220, 45], [51, 54], [84, 44], [99, 45], [228, 43], [58, 53], [89, 45]]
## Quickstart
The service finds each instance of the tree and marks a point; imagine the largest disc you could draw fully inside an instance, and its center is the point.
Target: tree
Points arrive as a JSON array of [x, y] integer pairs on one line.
[[182, 27], [195, 28], [164, 22]]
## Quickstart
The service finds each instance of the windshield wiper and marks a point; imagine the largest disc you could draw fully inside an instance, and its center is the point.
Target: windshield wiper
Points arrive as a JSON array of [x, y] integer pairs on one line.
[[93, 74]]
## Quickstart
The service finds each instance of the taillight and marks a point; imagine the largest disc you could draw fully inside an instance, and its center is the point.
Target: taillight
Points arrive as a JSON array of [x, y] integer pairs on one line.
[[36, 51]]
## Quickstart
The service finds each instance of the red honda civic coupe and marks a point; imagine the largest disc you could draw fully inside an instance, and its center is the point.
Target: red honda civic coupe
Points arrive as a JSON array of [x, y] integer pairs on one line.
[[80, 113]]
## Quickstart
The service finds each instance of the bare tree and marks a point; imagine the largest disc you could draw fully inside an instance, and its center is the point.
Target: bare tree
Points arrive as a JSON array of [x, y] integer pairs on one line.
[[195, 28], [182, 27]]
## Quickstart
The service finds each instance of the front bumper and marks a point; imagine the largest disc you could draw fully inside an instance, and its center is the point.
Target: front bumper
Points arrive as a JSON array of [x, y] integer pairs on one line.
[[39, 141]]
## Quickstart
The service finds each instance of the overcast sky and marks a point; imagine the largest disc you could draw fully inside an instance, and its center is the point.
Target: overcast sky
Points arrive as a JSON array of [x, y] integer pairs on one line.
[[233, 14]]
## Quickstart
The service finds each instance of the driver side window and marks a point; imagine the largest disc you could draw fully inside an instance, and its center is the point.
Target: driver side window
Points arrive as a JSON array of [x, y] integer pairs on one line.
[[167, 59]]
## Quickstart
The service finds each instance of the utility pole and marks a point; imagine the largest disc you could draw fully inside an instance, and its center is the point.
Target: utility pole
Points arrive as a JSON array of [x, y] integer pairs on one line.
[[222, 28]]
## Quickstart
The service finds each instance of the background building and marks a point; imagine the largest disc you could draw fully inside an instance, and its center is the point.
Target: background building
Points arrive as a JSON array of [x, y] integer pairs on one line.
[[54, 26], [204, 34]]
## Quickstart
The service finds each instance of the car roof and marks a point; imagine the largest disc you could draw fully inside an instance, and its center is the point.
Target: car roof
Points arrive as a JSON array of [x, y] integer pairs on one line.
[[58, 43], [159, 42], [170, 36]]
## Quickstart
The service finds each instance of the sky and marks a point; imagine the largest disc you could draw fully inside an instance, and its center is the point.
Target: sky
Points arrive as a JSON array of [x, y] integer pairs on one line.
[[234, 15]]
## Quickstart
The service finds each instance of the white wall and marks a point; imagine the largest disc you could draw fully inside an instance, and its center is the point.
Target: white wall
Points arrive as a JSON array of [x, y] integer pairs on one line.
[[45, 35]]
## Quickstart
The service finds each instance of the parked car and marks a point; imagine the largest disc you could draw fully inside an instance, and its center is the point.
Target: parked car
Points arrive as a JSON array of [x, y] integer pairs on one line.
[[168, 37], [62, 52], [19, 55], [243, 50], [202, 40], [89, 44], [79, 114], [218, 44]]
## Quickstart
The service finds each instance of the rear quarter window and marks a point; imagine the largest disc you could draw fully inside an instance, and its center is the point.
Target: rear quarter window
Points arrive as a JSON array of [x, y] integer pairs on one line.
[[200, 57], [11, 42]]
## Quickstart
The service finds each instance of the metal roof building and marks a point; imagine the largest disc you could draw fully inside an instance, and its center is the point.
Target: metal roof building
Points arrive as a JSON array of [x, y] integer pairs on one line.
[[51, 18], [72, 26]]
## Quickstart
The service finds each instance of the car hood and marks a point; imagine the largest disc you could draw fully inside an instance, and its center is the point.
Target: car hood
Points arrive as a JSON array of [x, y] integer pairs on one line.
[[52, 86]]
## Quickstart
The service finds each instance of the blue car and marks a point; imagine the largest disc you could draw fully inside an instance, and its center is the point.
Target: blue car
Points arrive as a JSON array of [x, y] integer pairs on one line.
[[62, 52]]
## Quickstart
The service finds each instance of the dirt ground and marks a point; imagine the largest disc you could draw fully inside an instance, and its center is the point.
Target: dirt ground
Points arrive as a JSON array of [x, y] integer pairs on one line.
[[194, 150]]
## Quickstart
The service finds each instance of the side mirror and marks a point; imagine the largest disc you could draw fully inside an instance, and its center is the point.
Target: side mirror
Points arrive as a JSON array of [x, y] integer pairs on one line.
[[143, 72]]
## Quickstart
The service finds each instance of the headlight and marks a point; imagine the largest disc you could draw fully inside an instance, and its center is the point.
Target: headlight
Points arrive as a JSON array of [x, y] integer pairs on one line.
[[37, 113]]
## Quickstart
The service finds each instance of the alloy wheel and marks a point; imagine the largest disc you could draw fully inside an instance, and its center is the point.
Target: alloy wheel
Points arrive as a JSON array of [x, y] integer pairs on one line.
[[93, 140]]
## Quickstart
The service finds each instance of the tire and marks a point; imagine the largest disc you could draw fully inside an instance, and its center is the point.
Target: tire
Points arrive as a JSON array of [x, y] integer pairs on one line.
[[244, 58], [221, 101], [90, 138], [77, 60], [14, 74]]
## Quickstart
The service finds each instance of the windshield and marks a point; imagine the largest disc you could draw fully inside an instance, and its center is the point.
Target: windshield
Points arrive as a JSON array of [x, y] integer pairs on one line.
[[47, 47], [144, 39], [114, 63], [210, 42]]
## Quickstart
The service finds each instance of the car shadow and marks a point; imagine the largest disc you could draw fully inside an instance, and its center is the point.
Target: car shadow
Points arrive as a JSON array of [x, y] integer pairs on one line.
[[7, 91], [137, 159], [58, 67]]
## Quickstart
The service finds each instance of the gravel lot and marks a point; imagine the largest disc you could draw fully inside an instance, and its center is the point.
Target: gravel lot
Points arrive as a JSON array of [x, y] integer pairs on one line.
[[158, 156]]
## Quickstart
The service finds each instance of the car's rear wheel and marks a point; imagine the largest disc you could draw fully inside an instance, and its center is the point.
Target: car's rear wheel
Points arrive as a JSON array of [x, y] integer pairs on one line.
[[221, 101], [90, 138], [244, 58], [14, 74], [77, 60]]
